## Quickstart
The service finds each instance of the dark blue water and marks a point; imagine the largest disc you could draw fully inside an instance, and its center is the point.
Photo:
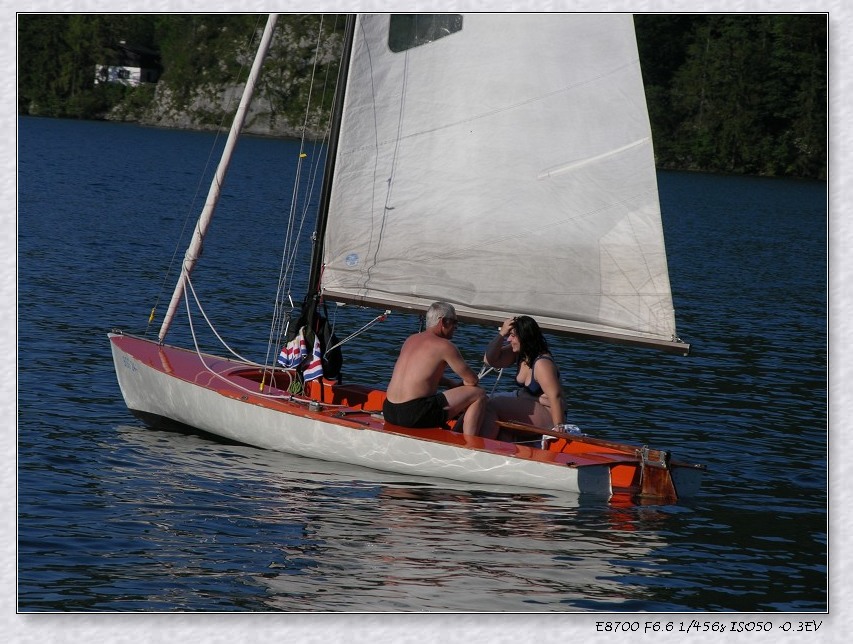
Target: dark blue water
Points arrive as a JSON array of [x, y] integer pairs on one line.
[[113, 516]]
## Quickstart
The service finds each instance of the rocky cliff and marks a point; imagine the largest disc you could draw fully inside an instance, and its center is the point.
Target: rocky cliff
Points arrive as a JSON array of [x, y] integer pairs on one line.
[[293, 95]]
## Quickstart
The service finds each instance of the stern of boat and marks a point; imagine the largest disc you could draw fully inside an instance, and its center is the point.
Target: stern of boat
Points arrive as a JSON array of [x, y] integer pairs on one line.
[[650, 475]]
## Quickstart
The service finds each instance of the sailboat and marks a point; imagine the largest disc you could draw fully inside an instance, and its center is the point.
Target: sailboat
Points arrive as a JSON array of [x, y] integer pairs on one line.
[[499, 162]]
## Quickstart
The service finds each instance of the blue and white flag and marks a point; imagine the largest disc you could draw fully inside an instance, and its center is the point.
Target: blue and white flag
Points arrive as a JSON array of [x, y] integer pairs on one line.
[[315, 368], [294, 352]]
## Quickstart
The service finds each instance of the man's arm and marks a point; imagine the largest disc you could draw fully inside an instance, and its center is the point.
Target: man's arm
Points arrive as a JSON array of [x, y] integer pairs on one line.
[[460, 367]]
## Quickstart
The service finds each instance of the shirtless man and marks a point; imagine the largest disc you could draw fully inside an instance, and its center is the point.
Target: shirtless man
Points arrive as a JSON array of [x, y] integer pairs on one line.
[[413, 398]]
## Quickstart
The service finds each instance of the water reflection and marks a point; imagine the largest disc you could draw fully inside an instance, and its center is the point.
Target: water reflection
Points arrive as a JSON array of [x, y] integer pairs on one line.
[[326, 537]]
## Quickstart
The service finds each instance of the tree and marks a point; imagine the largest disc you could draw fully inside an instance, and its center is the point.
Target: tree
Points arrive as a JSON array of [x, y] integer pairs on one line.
[[742, 93], [748, 95]]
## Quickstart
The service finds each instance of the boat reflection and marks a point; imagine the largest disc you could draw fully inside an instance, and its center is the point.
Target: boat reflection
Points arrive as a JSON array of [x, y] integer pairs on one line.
[[343, 538]]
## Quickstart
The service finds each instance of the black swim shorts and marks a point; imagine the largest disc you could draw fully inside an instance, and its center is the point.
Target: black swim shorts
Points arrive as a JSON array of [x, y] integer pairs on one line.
[[420, 412]]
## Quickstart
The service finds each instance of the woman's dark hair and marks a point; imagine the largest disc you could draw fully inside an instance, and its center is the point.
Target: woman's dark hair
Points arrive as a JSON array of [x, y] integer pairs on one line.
[[530, 338]]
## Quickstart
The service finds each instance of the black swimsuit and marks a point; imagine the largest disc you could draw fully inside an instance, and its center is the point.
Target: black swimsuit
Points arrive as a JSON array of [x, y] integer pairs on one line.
[[419, 413], [534, 388]]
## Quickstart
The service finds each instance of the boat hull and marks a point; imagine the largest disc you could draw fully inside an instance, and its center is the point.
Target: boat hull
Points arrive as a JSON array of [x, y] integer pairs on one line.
[[342, 424]]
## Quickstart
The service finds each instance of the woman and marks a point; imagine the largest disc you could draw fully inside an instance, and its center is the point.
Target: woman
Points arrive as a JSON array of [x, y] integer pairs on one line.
[[539, 399]]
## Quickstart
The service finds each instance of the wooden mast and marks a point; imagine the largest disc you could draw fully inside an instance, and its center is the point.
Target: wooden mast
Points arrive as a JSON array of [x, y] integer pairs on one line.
[[194, 249]]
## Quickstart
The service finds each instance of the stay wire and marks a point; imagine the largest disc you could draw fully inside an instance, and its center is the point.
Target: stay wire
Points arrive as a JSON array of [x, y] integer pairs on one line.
[[281, 319], [290, 396]]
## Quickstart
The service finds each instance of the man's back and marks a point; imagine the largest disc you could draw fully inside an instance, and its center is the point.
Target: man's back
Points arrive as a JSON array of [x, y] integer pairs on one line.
[[419, 368], [413, 399]]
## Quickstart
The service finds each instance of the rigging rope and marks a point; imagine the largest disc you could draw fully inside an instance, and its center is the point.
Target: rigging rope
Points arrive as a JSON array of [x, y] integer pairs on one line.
[[191, 209], [485, 370], [210, 325], [298, 213], [307, 165], [300, 205], [379, 318], [230, 381], [294, 387]]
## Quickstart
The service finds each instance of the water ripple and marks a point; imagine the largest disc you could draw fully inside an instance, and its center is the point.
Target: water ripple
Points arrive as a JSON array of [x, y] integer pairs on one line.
[[117, 517]]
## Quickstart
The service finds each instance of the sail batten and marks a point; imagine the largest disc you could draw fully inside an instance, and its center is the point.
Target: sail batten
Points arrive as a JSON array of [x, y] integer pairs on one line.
[[504, 174], [572, 165]]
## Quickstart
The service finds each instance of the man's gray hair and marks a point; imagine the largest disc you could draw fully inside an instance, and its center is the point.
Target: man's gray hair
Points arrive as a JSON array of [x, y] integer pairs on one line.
[[438, 310]]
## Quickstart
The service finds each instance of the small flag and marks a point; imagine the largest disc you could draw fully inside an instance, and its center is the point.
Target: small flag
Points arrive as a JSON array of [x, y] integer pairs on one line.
[[294, 352], [315, 368]]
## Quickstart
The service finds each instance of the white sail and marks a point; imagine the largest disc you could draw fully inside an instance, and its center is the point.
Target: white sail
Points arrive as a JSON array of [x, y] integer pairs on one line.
[[504, 165], [458, 179]]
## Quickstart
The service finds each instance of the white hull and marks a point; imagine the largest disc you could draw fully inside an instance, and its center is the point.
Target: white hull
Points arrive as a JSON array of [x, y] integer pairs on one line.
[[150, 390]]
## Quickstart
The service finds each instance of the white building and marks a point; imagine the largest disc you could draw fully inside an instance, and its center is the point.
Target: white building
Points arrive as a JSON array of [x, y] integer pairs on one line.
[[135, 65]]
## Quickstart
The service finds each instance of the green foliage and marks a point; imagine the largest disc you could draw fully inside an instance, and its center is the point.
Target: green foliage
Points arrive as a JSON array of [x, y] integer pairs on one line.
[[288, 74], [737, 93], [741, 93], [197, 50]]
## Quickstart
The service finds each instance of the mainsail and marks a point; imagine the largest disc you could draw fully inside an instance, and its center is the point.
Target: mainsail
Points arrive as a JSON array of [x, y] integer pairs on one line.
[[459, 174], [503, 164]]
